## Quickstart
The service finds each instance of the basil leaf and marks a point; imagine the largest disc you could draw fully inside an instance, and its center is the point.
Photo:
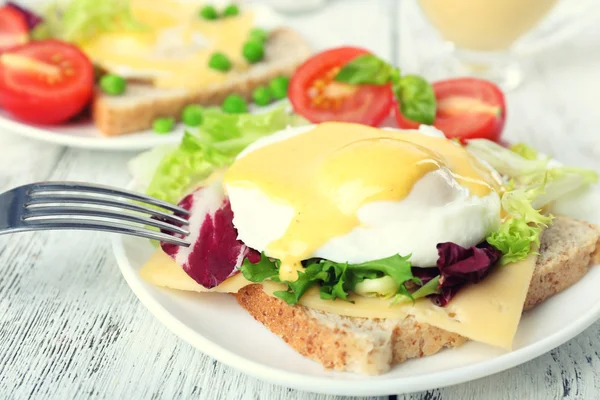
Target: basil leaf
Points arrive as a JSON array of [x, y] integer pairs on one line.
[[367, 69], [416, 98]]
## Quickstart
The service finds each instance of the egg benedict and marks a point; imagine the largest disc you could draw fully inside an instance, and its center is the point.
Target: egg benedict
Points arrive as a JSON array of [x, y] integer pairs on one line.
[[352, 193], [323, 230]]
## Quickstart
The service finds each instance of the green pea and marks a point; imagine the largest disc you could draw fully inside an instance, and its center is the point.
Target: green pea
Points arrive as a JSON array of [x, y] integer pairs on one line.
[[234, 104], [279, 87], [113, 84], [231, 10], [262, 96], [220, 62], [163, 125], [259, 35], [208, 12], [253, 51], [192, 115]]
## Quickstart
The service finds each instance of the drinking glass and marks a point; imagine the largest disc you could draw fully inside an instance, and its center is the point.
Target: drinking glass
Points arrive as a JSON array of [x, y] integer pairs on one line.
[[487, 38]]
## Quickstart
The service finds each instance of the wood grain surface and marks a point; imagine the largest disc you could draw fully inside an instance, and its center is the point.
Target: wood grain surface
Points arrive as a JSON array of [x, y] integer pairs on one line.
[[70, 328]]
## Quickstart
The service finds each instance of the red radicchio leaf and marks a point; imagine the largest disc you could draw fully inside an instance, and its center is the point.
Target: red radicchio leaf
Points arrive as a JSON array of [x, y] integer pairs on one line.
[[215, 253], [458, 265], [32, 18]]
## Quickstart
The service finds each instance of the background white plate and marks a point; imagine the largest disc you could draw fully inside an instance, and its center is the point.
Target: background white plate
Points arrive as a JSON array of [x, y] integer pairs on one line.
[[219, 327], [85, 135]]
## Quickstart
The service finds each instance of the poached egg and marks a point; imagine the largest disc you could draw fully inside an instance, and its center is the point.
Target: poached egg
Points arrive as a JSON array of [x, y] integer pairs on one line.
[[353, 193]]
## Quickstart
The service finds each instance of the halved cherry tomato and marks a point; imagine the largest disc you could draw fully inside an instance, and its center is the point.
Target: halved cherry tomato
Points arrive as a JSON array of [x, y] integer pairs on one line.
[[13, 28], [317, 97], [467, 108], [45, 82]]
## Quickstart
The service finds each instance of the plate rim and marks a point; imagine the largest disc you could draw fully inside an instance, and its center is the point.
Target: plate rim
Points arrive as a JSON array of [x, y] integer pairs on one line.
[[119, 143], [333, 386]]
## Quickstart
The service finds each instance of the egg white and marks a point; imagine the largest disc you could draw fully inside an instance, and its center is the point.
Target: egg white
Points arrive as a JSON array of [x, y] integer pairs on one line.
[[437, 210]]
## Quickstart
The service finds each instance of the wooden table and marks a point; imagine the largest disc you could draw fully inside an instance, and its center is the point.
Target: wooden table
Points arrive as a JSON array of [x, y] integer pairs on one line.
[[71, 328]]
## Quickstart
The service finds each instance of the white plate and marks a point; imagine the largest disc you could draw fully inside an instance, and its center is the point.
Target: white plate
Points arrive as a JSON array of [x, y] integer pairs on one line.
[[219, 327], [85, 135]]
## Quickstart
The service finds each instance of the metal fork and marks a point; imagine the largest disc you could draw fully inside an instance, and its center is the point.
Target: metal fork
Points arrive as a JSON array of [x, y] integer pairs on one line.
[[75, 205]]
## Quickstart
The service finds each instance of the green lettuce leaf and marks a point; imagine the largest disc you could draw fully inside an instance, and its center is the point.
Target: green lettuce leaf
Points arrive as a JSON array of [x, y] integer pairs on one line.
[[521, 230], [518, 204], [79, 20], [559, 182], [547, 181], [534, 181], [215, 145], [505, 161], [263, 270], [427, 289], [514, 239], [385, 287], [383, 278], [525, 151]]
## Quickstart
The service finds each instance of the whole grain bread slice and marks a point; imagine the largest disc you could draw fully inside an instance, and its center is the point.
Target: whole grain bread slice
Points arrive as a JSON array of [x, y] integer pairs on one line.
[[372, 346], [142, 103]]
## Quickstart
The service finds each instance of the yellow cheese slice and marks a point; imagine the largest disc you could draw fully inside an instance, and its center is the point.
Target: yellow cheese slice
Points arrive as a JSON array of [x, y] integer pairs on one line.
[[162, 270], [488, 312]]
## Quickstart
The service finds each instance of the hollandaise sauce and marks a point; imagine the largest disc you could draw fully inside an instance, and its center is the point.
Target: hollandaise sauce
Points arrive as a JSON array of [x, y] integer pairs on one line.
[[173, 45], [329, 172]]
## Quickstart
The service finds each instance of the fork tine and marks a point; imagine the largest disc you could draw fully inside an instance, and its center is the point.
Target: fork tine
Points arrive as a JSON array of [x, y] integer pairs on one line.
[[43, 200], [80, 187], [59, 223], [67, 211]]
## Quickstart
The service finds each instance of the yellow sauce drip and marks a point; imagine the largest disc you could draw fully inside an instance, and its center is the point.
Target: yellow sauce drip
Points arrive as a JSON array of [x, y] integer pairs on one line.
[[174, 45], [328, 173]]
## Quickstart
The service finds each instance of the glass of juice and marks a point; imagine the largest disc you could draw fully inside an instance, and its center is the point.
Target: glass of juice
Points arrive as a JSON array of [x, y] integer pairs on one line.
[[483, 34]]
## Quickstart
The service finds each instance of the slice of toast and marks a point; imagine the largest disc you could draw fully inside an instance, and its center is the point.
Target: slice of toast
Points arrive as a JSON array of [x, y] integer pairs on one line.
[[372, 346], [142, 103]]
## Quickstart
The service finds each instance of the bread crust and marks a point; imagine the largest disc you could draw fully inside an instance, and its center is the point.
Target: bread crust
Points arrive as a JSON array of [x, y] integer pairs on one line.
[[142, 104], [372, 346]]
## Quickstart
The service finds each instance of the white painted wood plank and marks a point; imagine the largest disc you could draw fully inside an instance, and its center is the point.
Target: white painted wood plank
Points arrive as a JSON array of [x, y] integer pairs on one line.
[[24, 160], [359, 23]]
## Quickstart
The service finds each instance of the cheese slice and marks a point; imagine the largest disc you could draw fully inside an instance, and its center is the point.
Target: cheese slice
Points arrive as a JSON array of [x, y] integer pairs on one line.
[[488, 312]]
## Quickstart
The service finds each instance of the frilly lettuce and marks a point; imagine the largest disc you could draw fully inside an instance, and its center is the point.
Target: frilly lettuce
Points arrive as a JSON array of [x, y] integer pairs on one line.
[[534, 182], [384, 278], [525, 151], [523, 226], [428, 289], [525, 172], [385, 287], [78, 20], [514, 239], [505, 161], [171, 172]]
